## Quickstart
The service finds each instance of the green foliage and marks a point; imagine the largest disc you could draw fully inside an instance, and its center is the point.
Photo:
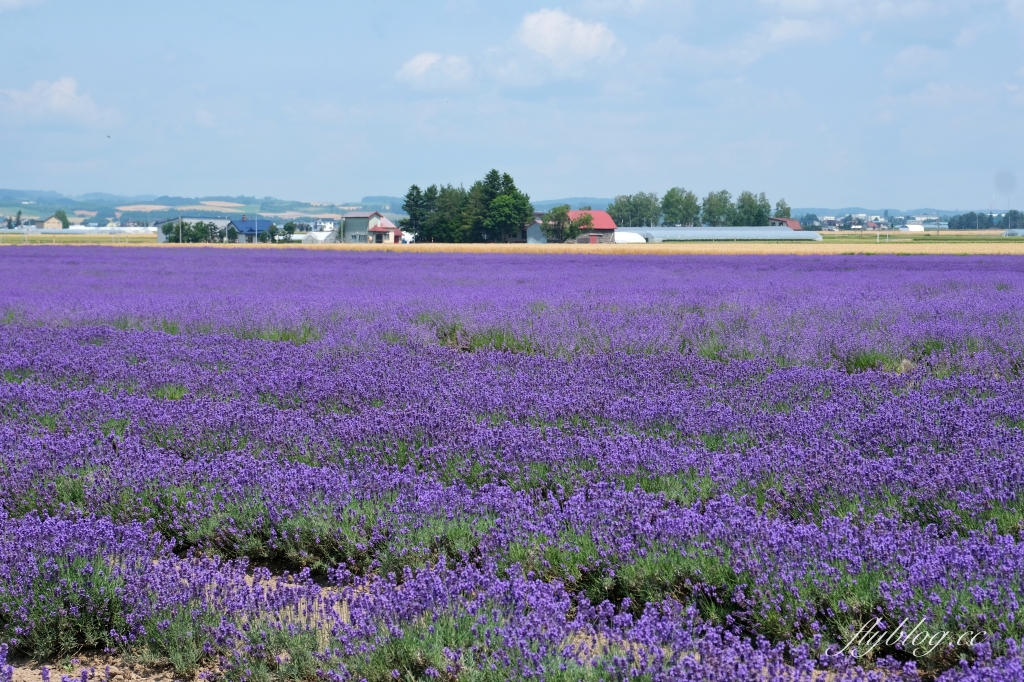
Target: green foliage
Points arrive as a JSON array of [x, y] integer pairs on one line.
[[558, 227], [300, 335], [191, 233], [972, 221], [77, 604], [782, 209], [1013, 220], [179, 635], [809, 220], [632, 210], [170, 392], [507, 215], [752, 209], [62, 216], [493, 209], [718, 209], [680, 207]]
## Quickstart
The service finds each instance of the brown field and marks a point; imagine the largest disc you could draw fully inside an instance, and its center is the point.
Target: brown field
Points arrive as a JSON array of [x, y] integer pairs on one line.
[[222, 204]]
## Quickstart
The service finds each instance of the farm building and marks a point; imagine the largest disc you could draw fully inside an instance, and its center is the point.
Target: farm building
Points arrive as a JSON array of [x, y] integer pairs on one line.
[[51, 223], [791, 223], [601, 232], [370, 228]]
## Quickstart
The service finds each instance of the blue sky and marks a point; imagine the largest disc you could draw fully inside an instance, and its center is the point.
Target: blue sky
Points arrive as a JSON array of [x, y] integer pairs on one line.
[[898, 103]]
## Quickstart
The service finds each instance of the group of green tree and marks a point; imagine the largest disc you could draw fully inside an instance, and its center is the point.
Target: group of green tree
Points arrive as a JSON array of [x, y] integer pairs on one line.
[[1012, 220], [680, 206], [208, 233], [181, 232], [491, 210]]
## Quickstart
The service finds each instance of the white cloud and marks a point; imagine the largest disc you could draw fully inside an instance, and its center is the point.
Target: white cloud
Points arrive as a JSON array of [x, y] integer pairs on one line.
[[59, 99], [16, 4], [791, 31], [769, 37], [860, 10], [563, 39], [205, 118], [968, 36], [917, 61], [429, 70]]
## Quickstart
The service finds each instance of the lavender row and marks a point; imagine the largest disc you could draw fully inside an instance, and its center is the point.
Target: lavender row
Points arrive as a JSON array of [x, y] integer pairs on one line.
[[826, 311]]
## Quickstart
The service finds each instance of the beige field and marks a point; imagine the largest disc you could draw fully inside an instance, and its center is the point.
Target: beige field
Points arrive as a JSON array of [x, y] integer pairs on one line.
[[128, 239], [293, 215], [141, 208], [222, 204]]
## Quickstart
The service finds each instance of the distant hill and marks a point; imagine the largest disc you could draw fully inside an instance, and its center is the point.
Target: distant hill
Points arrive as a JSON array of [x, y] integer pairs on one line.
[[598, 204], [384, 204], [103, 206]]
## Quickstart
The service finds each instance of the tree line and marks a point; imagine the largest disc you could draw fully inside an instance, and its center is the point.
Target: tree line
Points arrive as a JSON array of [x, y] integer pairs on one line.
[[491, 210], [680, 206], [1012, 220], [208, 233]]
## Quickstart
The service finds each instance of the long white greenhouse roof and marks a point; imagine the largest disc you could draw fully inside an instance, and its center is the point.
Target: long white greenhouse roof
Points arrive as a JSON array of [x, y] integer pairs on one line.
[[750, 232]]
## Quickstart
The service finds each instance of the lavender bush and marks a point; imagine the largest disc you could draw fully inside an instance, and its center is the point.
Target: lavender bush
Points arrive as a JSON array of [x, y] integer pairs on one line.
[[297, 465]]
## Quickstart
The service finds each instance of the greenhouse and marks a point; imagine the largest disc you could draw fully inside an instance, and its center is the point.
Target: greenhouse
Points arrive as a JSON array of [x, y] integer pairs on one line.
[[745, 233]]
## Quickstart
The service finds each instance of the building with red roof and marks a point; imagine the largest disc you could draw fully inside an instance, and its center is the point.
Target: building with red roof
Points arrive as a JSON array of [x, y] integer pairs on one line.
[[791, 223], [385, 232], [601, 232]]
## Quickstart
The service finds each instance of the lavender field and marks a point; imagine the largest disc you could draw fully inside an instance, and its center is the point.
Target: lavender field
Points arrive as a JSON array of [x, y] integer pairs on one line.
[[298, 465]]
